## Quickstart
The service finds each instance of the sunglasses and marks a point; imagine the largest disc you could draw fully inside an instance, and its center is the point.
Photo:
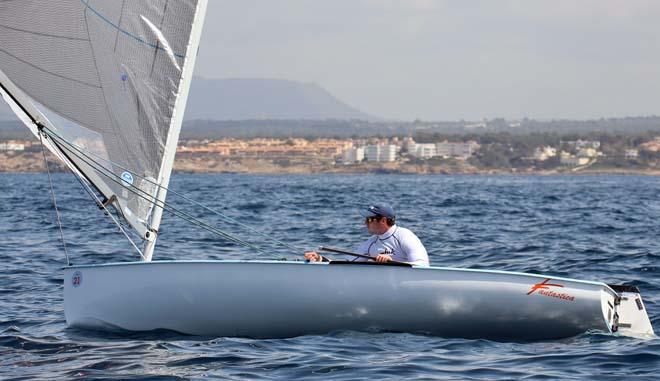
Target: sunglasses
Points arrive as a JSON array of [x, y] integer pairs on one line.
[[371, 219]]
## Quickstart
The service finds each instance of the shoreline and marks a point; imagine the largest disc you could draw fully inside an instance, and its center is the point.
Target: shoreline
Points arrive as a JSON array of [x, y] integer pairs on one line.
[[32, 162]]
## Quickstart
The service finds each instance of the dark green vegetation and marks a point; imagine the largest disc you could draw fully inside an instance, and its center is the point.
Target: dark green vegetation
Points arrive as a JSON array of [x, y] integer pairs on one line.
[[335, 128]]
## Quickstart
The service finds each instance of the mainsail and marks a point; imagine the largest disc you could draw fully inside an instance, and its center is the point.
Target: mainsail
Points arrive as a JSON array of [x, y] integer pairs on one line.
[[107, 82]]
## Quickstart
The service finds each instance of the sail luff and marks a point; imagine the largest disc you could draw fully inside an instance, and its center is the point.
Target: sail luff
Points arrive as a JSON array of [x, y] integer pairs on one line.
[[175, 126]]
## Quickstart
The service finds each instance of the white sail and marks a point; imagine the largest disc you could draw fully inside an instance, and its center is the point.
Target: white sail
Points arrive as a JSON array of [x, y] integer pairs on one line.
[[116, 76]]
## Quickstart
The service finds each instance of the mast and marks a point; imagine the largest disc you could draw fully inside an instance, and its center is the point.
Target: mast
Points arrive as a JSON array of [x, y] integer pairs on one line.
[[175, 129]]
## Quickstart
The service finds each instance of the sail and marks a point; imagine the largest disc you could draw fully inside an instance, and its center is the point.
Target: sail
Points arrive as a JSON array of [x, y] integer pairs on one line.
[[110, 79]]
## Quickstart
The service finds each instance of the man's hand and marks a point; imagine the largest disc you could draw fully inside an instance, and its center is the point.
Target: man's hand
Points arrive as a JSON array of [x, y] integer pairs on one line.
[[313, 256], [383, 258]]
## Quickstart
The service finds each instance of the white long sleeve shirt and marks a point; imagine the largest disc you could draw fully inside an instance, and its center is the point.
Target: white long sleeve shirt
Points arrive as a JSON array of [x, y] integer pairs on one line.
[[402, 244]]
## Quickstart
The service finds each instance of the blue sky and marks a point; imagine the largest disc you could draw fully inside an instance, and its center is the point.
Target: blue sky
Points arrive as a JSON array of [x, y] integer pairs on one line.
[[448, 59]]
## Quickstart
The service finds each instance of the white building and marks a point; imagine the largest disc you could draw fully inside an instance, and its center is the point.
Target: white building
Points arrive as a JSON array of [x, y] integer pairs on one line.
[[353, 155], [571, 160], [631, 154], [380, 153], [544, 153], [458, 150], [476, 125], [407, 143], [595, 144], [388, 153], [423, 151], [10, 146], [587, 152]]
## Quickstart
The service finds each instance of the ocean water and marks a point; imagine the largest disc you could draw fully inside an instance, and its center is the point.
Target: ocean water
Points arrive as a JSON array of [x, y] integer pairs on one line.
[[602, 228]]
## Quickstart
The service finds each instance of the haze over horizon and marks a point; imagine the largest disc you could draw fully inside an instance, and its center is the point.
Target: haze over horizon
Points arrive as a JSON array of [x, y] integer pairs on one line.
[[448, 60]]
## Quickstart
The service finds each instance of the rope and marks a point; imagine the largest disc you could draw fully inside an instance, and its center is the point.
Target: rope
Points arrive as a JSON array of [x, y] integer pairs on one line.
[[183, 215], [220, 214], [98, 202], [52, 193]]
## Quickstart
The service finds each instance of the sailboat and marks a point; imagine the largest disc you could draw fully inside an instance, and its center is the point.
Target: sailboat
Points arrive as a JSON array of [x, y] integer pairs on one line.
[[103, 86]]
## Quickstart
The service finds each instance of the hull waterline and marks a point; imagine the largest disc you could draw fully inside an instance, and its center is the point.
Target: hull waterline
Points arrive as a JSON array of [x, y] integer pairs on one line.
[[263, 299]]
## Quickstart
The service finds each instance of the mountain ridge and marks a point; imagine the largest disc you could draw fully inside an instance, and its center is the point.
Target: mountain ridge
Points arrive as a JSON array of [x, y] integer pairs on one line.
[[256, 98], [265, 98]]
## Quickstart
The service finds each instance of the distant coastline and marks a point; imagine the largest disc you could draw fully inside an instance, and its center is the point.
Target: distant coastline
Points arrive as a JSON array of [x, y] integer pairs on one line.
[[496, 147], [32, 162]]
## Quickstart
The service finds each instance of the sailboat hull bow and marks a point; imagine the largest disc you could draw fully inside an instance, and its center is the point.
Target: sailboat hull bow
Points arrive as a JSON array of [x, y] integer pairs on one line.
[[271, 299]]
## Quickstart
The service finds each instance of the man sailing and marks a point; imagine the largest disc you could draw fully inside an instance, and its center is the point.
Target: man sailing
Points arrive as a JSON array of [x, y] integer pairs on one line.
[[388, 242]]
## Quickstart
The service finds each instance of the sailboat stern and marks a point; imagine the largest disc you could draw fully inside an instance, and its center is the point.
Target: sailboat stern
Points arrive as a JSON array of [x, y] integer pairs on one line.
[[629, 317]]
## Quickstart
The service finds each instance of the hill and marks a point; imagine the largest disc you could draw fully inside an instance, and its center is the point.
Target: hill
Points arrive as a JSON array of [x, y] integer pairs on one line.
[[242, 99]]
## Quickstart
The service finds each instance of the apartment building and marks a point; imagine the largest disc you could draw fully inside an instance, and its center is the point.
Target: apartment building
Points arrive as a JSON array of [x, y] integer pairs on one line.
[[459, 150], [422, 151], [380, 153]]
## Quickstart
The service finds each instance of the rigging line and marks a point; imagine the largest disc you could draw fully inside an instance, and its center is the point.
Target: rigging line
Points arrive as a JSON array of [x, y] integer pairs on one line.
[[183, 215], [85, 186], [104, 171], [234, 221], [191, 219], [225, 217], [220, 214], [80, 176], [89, 191], [52, 193]]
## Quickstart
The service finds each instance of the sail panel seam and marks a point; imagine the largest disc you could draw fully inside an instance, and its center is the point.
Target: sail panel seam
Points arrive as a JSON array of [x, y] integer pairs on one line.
[[160, 26], [125, 32], [115, 134], [121, 16], [50, 72], [42, 34]]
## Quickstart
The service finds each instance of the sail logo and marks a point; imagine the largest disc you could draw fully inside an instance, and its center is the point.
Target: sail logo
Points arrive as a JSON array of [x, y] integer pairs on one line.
[[76, 279], [127, 177], [544, 288], [124, 78]]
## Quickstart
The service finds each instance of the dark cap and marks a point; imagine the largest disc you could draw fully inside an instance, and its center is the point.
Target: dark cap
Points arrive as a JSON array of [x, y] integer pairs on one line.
[[378, 210]]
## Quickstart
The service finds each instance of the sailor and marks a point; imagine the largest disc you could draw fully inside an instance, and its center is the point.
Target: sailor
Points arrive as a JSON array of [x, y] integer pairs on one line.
[[389, 242]]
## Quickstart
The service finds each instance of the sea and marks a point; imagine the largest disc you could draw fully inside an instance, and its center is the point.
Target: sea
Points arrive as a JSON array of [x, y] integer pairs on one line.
[[601, 228]]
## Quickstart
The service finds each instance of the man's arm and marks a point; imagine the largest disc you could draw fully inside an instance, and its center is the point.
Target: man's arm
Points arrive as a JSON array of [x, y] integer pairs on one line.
[[362, 249], [414, 249], [313, 256]]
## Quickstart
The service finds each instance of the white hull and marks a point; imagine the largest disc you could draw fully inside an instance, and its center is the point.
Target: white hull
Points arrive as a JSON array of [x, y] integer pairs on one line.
[[268, 299]]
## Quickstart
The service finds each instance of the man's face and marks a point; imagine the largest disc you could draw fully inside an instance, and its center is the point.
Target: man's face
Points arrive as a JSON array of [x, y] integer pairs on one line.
[[375, 225]]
